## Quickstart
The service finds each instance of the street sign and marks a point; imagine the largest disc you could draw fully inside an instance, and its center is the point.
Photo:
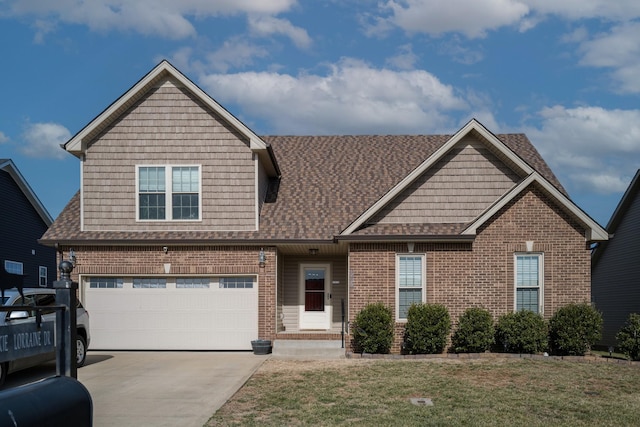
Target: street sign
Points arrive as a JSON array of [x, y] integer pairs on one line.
[[25, 340]]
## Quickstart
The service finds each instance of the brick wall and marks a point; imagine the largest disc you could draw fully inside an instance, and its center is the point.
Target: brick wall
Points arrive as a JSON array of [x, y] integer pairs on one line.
[[185, 260], [480, 274]]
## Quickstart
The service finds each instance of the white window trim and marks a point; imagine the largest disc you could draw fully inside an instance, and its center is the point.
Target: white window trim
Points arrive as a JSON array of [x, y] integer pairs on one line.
[[40, 275], [397, 284], [168, 192], [17, 263], [540, 256]]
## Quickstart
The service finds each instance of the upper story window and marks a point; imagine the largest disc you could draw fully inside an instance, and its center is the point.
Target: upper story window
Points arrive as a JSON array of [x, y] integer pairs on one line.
[[529, 282], [168, 193], [411, 283]]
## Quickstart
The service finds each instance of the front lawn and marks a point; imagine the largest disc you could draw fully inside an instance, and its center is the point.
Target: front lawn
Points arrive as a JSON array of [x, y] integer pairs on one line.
[[503, 391]]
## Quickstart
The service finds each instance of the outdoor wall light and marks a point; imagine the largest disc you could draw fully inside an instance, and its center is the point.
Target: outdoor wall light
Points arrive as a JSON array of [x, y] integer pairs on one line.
[[262, 258], [72, 257], [410, 247], [165, 249], [313, 251]]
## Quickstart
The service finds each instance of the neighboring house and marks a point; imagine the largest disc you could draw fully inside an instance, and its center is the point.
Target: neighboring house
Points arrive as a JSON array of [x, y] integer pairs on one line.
[[24, 221], [192, 232], [615, 286]]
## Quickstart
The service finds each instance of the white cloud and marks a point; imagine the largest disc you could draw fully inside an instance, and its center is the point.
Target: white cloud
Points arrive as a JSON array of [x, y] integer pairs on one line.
[[268, 25], [3, 138], [404, 60], [235, 52], [352, 98], [43, 140], [166, 18], [618, 49], [474, 18], [592, 148], [470, 17]]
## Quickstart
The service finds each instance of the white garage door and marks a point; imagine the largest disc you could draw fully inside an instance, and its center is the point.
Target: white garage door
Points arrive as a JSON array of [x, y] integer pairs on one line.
[[217, 313]]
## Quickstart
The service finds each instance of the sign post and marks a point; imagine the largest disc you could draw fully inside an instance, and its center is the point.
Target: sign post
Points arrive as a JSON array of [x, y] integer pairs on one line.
[[66, 340]]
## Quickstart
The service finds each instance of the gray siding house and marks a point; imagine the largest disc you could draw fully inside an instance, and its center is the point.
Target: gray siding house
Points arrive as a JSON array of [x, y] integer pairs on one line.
[[615, 286]]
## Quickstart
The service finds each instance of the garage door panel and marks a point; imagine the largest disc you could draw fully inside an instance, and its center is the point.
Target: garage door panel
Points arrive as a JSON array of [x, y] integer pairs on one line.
[[172, 319]]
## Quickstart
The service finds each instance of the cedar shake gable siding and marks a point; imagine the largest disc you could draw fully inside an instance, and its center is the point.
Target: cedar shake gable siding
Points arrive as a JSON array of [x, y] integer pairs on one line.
[[326, 183], [168, 126]]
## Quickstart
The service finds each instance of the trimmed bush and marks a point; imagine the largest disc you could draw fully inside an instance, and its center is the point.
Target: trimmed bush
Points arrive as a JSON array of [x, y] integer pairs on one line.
[[521, 332], [373, 329], [574, 328], [475, 332], [427, 329], [629, 337]]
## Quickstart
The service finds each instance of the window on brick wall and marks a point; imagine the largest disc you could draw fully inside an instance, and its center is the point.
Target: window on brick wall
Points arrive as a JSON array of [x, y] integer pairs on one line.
[[529, 282], [168, 193], [105, 283], [410, 283]]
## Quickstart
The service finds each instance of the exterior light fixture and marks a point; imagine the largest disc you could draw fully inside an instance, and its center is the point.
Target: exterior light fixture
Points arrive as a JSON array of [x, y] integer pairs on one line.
[[72, 257], [410, 247], [313, 251], [262, 258], [165, 249]]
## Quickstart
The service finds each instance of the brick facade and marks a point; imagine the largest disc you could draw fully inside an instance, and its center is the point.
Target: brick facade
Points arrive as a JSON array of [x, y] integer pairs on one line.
[[185, 260], [481, 274]]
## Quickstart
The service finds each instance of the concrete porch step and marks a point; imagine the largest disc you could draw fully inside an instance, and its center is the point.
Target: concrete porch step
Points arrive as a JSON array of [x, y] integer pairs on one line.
[[308, 349]]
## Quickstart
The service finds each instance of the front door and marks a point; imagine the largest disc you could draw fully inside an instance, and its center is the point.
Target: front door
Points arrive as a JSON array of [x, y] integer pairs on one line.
[[315, 296]]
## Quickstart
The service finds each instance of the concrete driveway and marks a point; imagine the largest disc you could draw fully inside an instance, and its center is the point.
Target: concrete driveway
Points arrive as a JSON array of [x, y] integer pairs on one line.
[[163, 388]]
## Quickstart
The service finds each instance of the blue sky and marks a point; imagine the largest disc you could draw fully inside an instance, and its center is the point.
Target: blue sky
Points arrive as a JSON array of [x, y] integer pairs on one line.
[[566, 73]]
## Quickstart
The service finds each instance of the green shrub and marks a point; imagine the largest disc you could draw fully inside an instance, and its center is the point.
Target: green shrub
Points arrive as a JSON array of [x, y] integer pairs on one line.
[[574, 328], [427, 329], [628, 337], [373, 329], [521, 332], [475, 331]]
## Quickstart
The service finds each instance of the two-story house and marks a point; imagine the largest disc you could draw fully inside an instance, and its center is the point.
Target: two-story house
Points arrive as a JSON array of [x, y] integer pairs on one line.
[[23, 221], [192, 232]]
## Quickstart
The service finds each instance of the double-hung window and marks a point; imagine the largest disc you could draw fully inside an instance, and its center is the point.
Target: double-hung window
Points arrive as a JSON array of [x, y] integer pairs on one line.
[[411, 285], [42, 276], [528, 282], [168, 193]]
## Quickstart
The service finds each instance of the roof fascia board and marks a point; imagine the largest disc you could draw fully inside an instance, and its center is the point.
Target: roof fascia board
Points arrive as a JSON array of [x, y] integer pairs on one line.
[[77, 143], [26, 189], [472, 125], [622, 206], [594, 232]]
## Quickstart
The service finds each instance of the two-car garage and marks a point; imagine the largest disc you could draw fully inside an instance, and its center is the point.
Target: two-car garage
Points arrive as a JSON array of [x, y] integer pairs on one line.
[[171, 313]]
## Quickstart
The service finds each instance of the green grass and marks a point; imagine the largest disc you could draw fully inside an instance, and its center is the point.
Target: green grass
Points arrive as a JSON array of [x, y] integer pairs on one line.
[[470, 392]]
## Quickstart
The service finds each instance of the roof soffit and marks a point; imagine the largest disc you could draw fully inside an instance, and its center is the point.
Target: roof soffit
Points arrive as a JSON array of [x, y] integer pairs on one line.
[[473, 127], [78, 143]]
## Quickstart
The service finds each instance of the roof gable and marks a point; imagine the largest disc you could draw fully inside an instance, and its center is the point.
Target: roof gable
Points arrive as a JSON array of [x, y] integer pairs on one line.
[[594, 232], [456, 189], [503, 152], [164, 70], [8, 166]]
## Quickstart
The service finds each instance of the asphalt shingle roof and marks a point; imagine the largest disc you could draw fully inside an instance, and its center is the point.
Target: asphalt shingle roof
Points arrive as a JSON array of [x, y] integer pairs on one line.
[[327, 183]]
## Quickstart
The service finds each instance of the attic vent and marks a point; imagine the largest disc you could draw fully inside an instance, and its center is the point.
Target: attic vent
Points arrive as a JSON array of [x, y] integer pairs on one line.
[[272, 190]]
